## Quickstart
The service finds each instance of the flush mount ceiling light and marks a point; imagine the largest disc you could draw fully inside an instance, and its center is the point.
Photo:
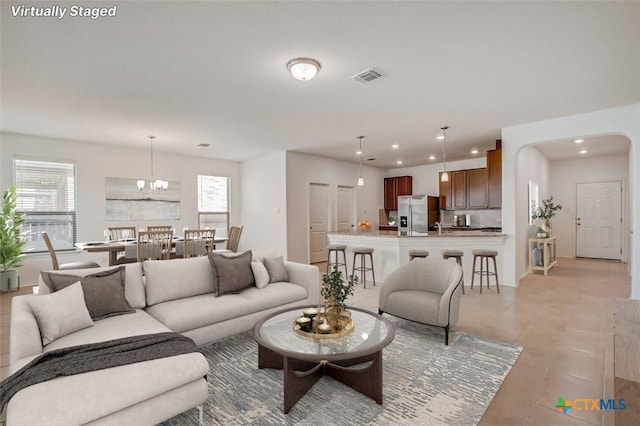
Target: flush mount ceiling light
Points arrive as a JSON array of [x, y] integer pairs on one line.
[[154, 184], [474, 151], [445, 175], [583, 151], [578, 141], [303, 69]]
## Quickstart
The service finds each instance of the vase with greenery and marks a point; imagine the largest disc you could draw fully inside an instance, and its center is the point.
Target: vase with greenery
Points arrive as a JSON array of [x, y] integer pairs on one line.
[[335, 291], [11, 240], [544, 214]]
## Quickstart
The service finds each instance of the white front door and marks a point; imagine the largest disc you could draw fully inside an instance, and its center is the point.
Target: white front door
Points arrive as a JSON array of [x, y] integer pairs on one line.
[[599, 220], [318, 212], [345, 209]]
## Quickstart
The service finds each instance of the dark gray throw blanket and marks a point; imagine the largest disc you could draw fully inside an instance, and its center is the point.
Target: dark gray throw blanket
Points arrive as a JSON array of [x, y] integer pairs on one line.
[[94, 356]]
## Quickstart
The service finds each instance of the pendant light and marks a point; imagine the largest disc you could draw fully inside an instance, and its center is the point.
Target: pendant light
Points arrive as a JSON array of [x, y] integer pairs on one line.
[[360, 179], [154, 184], [445, 176]]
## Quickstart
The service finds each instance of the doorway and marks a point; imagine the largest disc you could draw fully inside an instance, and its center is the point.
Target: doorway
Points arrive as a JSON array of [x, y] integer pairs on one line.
[[599, 220], [318, 213], [345, 215]]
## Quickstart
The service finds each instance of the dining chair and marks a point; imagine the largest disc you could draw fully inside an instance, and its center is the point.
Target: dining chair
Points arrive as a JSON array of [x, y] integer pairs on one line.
[[65, 266], [197, 242], [154, 245], [234, 238], [159, 228], [123, 233]]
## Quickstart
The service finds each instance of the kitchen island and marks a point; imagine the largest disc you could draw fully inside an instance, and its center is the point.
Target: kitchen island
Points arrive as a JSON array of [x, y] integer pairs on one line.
[[392, 250]]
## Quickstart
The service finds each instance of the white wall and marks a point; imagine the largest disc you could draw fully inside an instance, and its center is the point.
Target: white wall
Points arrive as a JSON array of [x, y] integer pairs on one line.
[[303, 169], [565, 174], [425, 178], [264, 203], [614, 121], [94, 163], [531, 165]]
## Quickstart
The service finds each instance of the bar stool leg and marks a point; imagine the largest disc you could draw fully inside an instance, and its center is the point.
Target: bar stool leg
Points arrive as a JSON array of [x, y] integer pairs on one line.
[[344, 259], [373, 274], [363, 272], [495, 269], [459, 261], [473, 270], [481, 274]]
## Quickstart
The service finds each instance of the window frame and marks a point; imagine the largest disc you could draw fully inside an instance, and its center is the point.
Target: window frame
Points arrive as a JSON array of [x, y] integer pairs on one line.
[[44, 220], [203, 213]]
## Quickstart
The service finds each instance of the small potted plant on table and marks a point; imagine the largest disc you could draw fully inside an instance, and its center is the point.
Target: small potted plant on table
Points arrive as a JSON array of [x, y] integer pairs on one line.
[[544, 215], [335, 291]]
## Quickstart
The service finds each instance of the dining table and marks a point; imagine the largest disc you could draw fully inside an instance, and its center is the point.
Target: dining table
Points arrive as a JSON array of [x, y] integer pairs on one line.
[[126, 245]]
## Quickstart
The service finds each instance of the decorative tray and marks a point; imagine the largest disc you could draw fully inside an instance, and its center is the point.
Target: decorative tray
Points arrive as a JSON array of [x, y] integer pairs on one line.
[[335, 333]]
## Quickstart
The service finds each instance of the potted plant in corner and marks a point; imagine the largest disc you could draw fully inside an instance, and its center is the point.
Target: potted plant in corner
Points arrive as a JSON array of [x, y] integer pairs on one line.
[[335, 292], [544, 215], [11, 240]]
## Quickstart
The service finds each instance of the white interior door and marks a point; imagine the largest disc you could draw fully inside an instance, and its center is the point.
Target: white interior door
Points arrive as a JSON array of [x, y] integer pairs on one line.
[[599, 220], [318, 213], [345, 214]]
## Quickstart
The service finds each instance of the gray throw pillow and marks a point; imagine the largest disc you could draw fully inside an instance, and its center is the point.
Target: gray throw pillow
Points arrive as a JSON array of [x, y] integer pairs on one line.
[[103, 291], [277, 271], [61, 313], [231, 274]]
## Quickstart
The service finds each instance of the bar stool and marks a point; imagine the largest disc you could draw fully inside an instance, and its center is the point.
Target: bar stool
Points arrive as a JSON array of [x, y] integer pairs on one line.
[[336, 249], [485, 255], [417, 253], [362, 251], [457, 255]]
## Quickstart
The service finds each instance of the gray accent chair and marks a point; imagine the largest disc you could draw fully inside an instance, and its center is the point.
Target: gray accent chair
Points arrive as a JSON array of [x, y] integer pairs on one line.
[[425, 291]]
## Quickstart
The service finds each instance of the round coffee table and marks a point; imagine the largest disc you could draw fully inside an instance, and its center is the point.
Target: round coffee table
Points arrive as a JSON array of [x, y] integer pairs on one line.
[[305, 359]]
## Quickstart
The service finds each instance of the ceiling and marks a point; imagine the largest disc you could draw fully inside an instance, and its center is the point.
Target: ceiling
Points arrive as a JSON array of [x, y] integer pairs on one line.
[[215, 73]]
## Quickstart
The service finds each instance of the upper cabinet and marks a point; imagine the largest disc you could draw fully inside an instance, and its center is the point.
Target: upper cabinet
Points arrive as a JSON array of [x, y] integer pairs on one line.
[[466, 189], [494, 176], [393, 188]]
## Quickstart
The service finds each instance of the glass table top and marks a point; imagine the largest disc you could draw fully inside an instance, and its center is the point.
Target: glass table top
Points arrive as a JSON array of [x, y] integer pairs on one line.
[[371, 332]]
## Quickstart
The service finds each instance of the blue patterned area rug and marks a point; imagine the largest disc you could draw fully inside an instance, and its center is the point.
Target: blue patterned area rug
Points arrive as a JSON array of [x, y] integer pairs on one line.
[[425, 383]]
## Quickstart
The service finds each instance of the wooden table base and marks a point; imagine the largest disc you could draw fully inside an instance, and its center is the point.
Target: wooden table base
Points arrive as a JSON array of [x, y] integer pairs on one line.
[[300, 376]]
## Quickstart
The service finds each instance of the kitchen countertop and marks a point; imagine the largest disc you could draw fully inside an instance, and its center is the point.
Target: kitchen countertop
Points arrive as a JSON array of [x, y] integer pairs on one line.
[[432, 234]]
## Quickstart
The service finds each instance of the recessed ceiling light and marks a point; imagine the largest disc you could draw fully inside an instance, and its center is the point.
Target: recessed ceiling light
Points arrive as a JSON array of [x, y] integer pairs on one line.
[[432, 157], [395, 146], [399, 162], [578, 141], [358, 152], [440, 137], [474, 151], [583, 151], [203, 145]]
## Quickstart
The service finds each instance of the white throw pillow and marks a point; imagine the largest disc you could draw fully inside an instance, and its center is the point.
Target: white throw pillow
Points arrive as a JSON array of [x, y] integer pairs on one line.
[[260, 274], [60, 313]]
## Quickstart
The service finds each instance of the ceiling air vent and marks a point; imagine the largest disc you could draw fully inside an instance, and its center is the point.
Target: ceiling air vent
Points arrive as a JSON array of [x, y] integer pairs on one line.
[[367, 76]]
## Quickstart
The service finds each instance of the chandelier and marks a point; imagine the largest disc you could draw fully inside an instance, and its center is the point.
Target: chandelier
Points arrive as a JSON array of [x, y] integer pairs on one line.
[[154, 184]]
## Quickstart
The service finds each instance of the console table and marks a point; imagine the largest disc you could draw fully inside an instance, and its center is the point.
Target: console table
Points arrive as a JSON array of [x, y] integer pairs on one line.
[[548, 247]]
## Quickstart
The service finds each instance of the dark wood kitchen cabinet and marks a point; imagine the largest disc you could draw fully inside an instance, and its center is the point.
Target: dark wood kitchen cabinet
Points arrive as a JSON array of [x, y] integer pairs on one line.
[[466, 189], [494, 176], [476, 189], [395, 187]]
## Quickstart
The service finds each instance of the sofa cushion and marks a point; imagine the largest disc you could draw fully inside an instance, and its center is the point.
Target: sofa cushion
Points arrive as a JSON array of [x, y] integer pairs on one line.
[[177, 279], [60, 313], [133, 284], [137, 323], [195, 312], [232, 273], [260, 273], [277, 271], [103, 291]]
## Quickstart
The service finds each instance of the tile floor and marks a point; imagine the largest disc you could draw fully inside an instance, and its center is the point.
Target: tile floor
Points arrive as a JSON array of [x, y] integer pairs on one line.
[[564, 322]]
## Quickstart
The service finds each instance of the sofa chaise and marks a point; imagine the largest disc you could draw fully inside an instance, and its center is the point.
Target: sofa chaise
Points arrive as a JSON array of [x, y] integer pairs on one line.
[[178, 295]]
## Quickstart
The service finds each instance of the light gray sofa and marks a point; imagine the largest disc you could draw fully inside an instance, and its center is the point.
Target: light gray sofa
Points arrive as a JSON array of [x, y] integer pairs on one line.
[[174, 295]]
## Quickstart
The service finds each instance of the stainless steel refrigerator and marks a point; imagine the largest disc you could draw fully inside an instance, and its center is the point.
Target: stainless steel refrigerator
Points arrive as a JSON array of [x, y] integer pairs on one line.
[[418, 214]]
